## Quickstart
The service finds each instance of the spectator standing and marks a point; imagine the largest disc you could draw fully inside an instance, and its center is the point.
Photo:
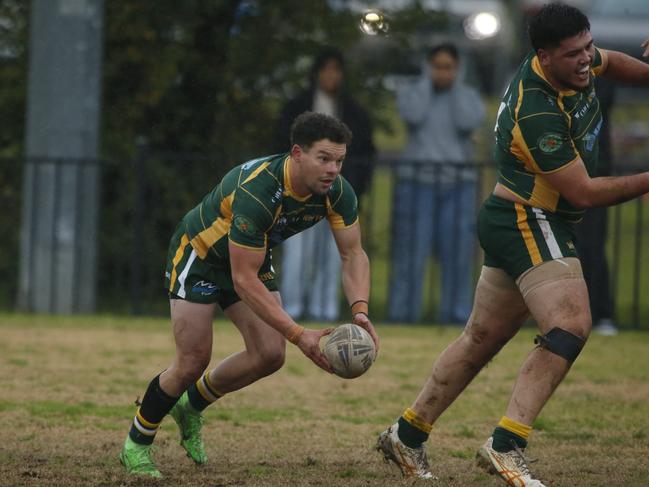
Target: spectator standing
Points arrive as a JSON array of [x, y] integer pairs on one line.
[[311, 257], [435, 190]]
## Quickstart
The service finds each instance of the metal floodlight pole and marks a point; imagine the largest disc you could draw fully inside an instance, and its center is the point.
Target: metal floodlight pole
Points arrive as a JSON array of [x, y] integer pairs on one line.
[[58, 251]]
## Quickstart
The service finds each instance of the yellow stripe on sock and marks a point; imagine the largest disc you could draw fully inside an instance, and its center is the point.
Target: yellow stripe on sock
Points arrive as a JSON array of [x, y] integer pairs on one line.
[[515, 427], [209, 385], [145, 423], [207, 395], [417, 421]]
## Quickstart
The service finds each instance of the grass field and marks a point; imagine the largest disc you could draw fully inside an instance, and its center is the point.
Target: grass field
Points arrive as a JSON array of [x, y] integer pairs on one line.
[[68, 387]]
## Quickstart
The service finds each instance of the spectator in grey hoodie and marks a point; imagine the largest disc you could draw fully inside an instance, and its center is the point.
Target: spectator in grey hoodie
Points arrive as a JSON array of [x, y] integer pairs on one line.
[[435, 190]]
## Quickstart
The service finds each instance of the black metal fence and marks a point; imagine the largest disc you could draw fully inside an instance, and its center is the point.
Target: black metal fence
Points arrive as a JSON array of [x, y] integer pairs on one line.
[[143, 199]]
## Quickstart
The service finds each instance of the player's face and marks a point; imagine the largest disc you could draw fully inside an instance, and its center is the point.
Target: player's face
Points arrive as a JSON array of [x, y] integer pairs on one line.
[[319, 165], [568, 65]]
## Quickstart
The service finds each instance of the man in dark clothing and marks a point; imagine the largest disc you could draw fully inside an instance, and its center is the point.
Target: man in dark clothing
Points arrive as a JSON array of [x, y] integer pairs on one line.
[[311, 256]]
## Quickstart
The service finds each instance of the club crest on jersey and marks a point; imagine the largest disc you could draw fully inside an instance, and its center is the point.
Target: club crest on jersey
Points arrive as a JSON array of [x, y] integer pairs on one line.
[[244, 225], [550, 142]]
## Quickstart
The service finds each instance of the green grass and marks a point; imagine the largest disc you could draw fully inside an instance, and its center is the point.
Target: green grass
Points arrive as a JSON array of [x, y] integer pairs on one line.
[[69, 386]]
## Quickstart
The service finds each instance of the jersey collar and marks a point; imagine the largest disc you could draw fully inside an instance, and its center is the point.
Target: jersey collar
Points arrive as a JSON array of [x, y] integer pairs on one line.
[[536, 67], [288, 189]]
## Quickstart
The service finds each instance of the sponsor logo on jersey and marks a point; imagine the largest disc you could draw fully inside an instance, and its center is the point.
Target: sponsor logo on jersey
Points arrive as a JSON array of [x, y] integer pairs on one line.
[[582, 111], [252, 163], [206, 288], [266, 276], [550, 142], [591, 138], [278, 195]]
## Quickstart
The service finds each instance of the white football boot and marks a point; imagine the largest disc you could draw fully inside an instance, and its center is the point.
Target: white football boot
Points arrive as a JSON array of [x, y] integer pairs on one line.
[[411, 461], [510, 466]]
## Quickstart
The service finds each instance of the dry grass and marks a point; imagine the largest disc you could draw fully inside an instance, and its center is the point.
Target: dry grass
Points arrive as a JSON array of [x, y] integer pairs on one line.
[[68, 386]]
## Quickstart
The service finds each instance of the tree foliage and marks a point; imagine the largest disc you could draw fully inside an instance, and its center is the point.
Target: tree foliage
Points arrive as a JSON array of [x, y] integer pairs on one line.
[[193, 77]]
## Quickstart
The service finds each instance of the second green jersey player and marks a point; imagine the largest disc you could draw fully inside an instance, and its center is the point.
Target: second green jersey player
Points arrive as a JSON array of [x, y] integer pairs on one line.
[[540, 130], [546, 150], [220, 254]]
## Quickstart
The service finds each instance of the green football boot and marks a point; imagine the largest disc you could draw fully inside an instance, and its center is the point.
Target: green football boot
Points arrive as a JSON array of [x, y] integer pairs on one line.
[[189, 422], [137, 459]]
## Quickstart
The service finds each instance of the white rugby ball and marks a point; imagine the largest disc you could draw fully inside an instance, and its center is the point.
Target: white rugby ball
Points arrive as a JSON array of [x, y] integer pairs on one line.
[[350, 350]]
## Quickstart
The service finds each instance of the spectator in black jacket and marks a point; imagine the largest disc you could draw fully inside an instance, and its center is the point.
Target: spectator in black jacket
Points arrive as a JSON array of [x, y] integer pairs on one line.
[[312, 254]]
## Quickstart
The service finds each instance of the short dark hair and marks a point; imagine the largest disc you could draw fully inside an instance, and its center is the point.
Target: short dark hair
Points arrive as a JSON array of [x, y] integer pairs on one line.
[[310, 127], [446, 47], [554, 23], [325, 55]]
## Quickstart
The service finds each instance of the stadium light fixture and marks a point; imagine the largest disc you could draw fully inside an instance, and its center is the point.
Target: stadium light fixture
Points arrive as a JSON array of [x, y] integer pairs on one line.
[[482, 25]]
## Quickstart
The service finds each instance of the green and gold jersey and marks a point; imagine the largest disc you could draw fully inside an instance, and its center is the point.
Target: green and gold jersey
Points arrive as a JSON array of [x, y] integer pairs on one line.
[[540, 130], [255, 207]]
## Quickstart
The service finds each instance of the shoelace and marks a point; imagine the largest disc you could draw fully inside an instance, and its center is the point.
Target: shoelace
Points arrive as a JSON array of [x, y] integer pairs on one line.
[[521, 460], [144, 456], [420, 459]]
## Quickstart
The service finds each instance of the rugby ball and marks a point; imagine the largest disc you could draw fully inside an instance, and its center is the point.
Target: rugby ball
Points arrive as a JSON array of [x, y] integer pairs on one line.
[[350, 350]]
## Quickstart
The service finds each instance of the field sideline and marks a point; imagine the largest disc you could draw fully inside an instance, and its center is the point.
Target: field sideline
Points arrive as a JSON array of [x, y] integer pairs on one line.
[[68, 387]]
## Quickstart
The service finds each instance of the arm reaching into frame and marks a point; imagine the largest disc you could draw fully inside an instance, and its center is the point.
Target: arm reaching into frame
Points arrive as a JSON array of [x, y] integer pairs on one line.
[[245, 268], [356, 276]]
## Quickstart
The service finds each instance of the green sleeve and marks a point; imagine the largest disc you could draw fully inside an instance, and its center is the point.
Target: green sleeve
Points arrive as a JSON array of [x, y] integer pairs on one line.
[[252, 216], [342, 205], [599, 63], [546, 140]]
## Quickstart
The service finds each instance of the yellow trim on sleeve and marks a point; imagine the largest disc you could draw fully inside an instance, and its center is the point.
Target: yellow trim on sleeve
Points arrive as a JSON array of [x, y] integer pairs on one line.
[[335, 219], [256, 172], [337, 223], [577, 157], [526, 233], [248, 247], [601, 69]]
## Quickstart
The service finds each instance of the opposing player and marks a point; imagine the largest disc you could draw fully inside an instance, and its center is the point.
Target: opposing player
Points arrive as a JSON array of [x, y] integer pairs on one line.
[[546, 147], [221, 254]]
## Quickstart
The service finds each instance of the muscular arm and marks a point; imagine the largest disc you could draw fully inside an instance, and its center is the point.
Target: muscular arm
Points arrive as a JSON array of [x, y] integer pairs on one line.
[[355, 272], [245, 268], [582, 191], [245, 265], [626, 69]]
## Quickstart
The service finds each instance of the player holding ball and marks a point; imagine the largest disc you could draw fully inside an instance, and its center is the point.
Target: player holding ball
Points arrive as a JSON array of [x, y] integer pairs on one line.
[[221, 254]]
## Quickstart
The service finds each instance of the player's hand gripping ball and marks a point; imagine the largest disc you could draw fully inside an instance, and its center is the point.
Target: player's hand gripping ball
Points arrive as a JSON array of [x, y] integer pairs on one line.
[[350, 350]]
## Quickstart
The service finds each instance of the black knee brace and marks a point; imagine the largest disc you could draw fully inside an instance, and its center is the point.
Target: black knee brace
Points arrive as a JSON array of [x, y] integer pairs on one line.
[[562, 343]]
